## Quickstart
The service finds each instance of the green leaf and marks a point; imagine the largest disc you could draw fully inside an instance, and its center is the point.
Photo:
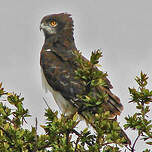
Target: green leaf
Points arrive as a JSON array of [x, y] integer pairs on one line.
[[149, 143]]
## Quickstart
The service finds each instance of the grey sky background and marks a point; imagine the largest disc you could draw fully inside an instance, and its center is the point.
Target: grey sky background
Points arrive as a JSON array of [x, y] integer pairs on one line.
[[122, 29]]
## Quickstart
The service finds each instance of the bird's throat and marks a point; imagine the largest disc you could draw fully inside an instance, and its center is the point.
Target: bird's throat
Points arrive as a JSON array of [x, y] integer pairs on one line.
[[54, 41]]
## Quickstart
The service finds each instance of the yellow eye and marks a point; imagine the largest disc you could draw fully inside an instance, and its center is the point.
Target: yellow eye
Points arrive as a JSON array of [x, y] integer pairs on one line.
[[53, 23]]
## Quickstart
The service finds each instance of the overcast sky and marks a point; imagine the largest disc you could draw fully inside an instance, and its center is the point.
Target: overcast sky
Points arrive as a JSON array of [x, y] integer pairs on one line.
[[122, 29]]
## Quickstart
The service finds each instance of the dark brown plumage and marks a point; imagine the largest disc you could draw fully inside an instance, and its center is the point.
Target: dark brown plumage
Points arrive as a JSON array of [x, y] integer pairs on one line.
[[58, 67]]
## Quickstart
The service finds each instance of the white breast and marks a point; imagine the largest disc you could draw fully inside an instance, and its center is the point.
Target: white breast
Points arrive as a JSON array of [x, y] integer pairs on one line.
[[65, 106]]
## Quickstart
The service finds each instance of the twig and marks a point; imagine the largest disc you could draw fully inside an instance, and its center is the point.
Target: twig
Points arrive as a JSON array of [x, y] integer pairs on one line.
[[79, 135], [133, 146], [67, 137], [36, 140], [76, 144], [129, 148], [8, 135], [47, 145], [105, 144], [46, 103]]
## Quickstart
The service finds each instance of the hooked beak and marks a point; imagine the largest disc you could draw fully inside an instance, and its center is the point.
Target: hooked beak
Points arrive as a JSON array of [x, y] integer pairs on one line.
[[47, 29], [42, 26]]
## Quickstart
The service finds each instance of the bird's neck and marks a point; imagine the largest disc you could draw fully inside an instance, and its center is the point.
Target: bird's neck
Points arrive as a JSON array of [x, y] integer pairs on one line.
[[64, 39]]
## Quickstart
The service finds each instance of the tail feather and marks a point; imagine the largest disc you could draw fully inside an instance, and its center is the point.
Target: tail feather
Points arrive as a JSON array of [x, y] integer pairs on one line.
[[123, 134], [90, 119], [113, 104]]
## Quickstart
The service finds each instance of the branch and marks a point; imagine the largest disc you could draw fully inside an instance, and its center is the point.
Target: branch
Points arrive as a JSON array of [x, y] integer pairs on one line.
[[8, 135], [46, 103], [133, 146], [36, 140], [79, 135]]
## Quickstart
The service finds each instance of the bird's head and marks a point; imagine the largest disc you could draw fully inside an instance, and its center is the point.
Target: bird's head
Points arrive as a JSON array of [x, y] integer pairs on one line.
[[57, 25]]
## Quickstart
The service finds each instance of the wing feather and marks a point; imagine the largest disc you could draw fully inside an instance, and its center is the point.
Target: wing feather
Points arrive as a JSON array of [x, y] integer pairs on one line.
[[59, 70]]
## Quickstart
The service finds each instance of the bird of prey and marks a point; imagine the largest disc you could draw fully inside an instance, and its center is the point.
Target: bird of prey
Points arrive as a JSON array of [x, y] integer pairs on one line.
[[58, 65]]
